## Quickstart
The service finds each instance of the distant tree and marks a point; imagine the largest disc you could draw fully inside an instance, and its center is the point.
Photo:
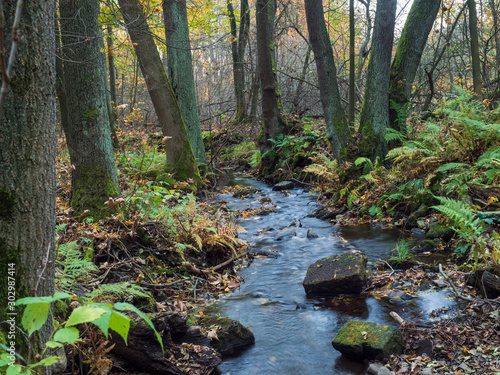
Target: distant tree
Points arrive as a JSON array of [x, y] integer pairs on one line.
[[374, 119], [273, 124], [112, 85], [474, 49], [239, 40], [363, 50], [337, 127], [352, 64], [88, 136], [180, 71], [181, 161], [407, 59], [27, 167]]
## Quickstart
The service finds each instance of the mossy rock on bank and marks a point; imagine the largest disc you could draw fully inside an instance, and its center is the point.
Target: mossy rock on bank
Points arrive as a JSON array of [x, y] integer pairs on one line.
[[359, 340], [339, 274], [440, 230], [232, 336], [245, 191]]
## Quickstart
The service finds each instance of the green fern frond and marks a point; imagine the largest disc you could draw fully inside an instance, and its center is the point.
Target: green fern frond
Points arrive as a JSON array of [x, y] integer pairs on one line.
[[450, 166], [118, 291], [460, 214]]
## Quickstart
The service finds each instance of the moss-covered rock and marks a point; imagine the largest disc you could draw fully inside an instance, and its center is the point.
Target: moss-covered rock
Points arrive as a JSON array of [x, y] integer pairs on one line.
[[359, 340], [283, 185], [340, 274], [231, 335], [440, 230]]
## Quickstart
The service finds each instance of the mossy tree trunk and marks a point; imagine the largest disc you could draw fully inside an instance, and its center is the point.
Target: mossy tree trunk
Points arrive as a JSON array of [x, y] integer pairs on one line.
[[27, 169], [88, 135], [375, 112], [273, 124], [181, 161], [408, 54], [337, 128], [474, 50], [238, 42], [180, 71]]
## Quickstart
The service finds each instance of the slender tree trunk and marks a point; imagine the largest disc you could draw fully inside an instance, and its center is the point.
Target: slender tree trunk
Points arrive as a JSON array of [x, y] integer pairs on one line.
[[238, 46], [61, 93], [180, 71], [112, 85], [27, 170], [298, 91], [180, 158], [407, 59], [474, 49], [375, 112], [362, 50], [88, 135], [352, 65], [337, 129], [274, 124], [496, 31]]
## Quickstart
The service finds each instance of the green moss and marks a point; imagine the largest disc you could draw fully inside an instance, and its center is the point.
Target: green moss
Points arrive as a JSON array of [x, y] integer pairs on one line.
[[186, 167], [90, 190], [90, 114], [7, 203]]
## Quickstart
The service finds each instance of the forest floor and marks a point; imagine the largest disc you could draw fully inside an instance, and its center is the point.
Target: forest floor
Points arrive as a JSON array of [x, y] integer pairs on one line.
[[176, 252]]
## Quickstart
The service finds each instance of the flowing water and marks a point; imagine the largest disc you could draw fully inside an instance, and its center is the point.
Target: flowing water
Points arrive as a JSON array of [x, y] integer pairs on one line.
[[293, 333]]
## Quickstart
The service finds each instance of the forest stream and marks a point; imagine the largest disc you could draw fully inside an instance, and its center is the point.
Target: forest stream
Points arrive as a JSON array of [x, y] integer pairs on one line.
[[293, 333]]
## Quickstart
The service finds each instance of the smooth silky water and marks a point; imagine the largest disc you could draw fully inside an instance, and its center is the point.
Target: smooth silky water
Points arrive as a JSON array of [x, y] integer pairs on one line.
[[294, 333]]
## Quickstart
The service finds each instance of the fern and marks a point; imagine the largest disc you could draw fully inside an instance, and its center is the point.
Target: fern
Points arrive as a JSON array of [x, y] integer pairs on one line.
[[118, 291], [450, 166], [462, 215], [72, 267]]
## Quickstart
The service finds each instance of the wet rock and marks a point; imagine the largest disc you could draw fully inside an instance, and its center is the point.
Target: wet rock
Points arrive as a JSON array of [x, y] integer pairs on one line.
[[426, 371], [265, 252], [440, 230], [285, 234], [359, 340], [340, 274], [414, 218], [245, 191], [311, 234], [232, 336], [283, 185], [377, 368], [424, 347], [440, 283]]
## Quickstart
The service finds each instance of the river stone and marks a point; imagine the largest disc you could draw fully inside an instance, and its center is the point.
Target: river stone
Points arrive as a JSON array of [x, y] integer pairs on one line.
[[440, 230], [232, 336], [359, 340], [339, 274], [283, 185]]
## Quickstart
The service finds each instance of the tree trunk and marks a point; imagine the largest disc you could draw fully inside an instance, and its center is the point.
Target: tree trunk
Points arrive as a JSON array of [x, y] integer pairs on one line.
[[112, 86], [474, 49], [238, 46], [94, 178], [27, 170], [61, 93], [375, 112], [408, 54], [362, 51], [337, 129], [180, 71], [496, 32], [298, 91], [274, 124], [352, 65], [180, 158]]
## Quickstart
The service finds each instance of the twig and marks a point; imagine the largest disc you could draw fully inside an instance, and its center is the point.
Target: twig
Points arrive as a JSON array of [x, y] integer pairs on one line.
[[457, 293], [219, 266], [396, 317], [45, 263], [392, 269], [194, 289]]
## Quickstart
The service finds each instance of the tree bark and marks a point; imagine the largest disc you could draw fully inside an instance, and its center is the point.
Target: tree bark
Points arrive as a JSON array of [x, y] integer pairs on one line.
[[238, 46], [474, 49], [352, 65], [407, 59], [273, 124], [27, 168], [88, 136], [362, 50], [337, 129], [112, 85], [375, 112], [61, 93], [180, 158], [180, 71]]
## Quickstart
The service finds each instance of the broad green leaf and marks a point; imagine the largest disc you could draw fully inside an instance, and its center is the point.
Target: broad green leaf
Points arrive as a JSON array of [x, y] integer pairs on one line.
[[120, 323], [46, 361], [4, 359], [122, 306], [34, 317], [53, 344], [84, 314], [14, 370], [48, 299], [103, 321], [67, 335]]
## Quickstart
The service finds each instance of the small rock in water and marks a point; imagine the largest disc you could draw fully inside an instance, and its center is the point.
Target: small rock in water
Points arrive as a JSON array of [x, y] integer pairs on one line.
[[426, 371], [440, 283], [283, 185]]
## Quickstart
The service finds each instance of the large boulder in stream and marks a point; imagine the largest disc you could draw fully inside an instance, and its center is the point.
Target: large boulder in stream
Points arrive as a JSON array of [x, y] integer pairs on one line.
[[359, 340], [231, 335], [339, 274]]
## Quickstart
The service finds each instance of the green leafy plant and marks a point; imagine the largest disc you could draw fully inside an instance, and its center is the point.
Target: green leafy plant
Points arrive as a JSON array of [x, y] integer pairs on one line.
[[72, 267], [103, 315], [403, 252]]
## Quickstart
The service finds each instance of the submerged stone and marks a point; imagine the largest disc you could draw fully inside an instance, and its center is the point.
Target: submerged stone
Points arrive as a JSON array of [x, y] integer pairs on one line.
[[359, 340], [283, 185], [339, 274]]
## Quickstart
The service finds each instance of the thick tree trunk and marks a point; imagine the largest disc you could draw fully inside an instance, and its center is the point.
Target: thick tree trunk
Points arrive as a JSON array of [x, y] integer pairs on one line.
[[27, 169], [474, 49], [88, 136], [180, 158], [375, 112], [274, 124], [180, 71], [238, 47], [112, 86], [337, 129], [408, 54]]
